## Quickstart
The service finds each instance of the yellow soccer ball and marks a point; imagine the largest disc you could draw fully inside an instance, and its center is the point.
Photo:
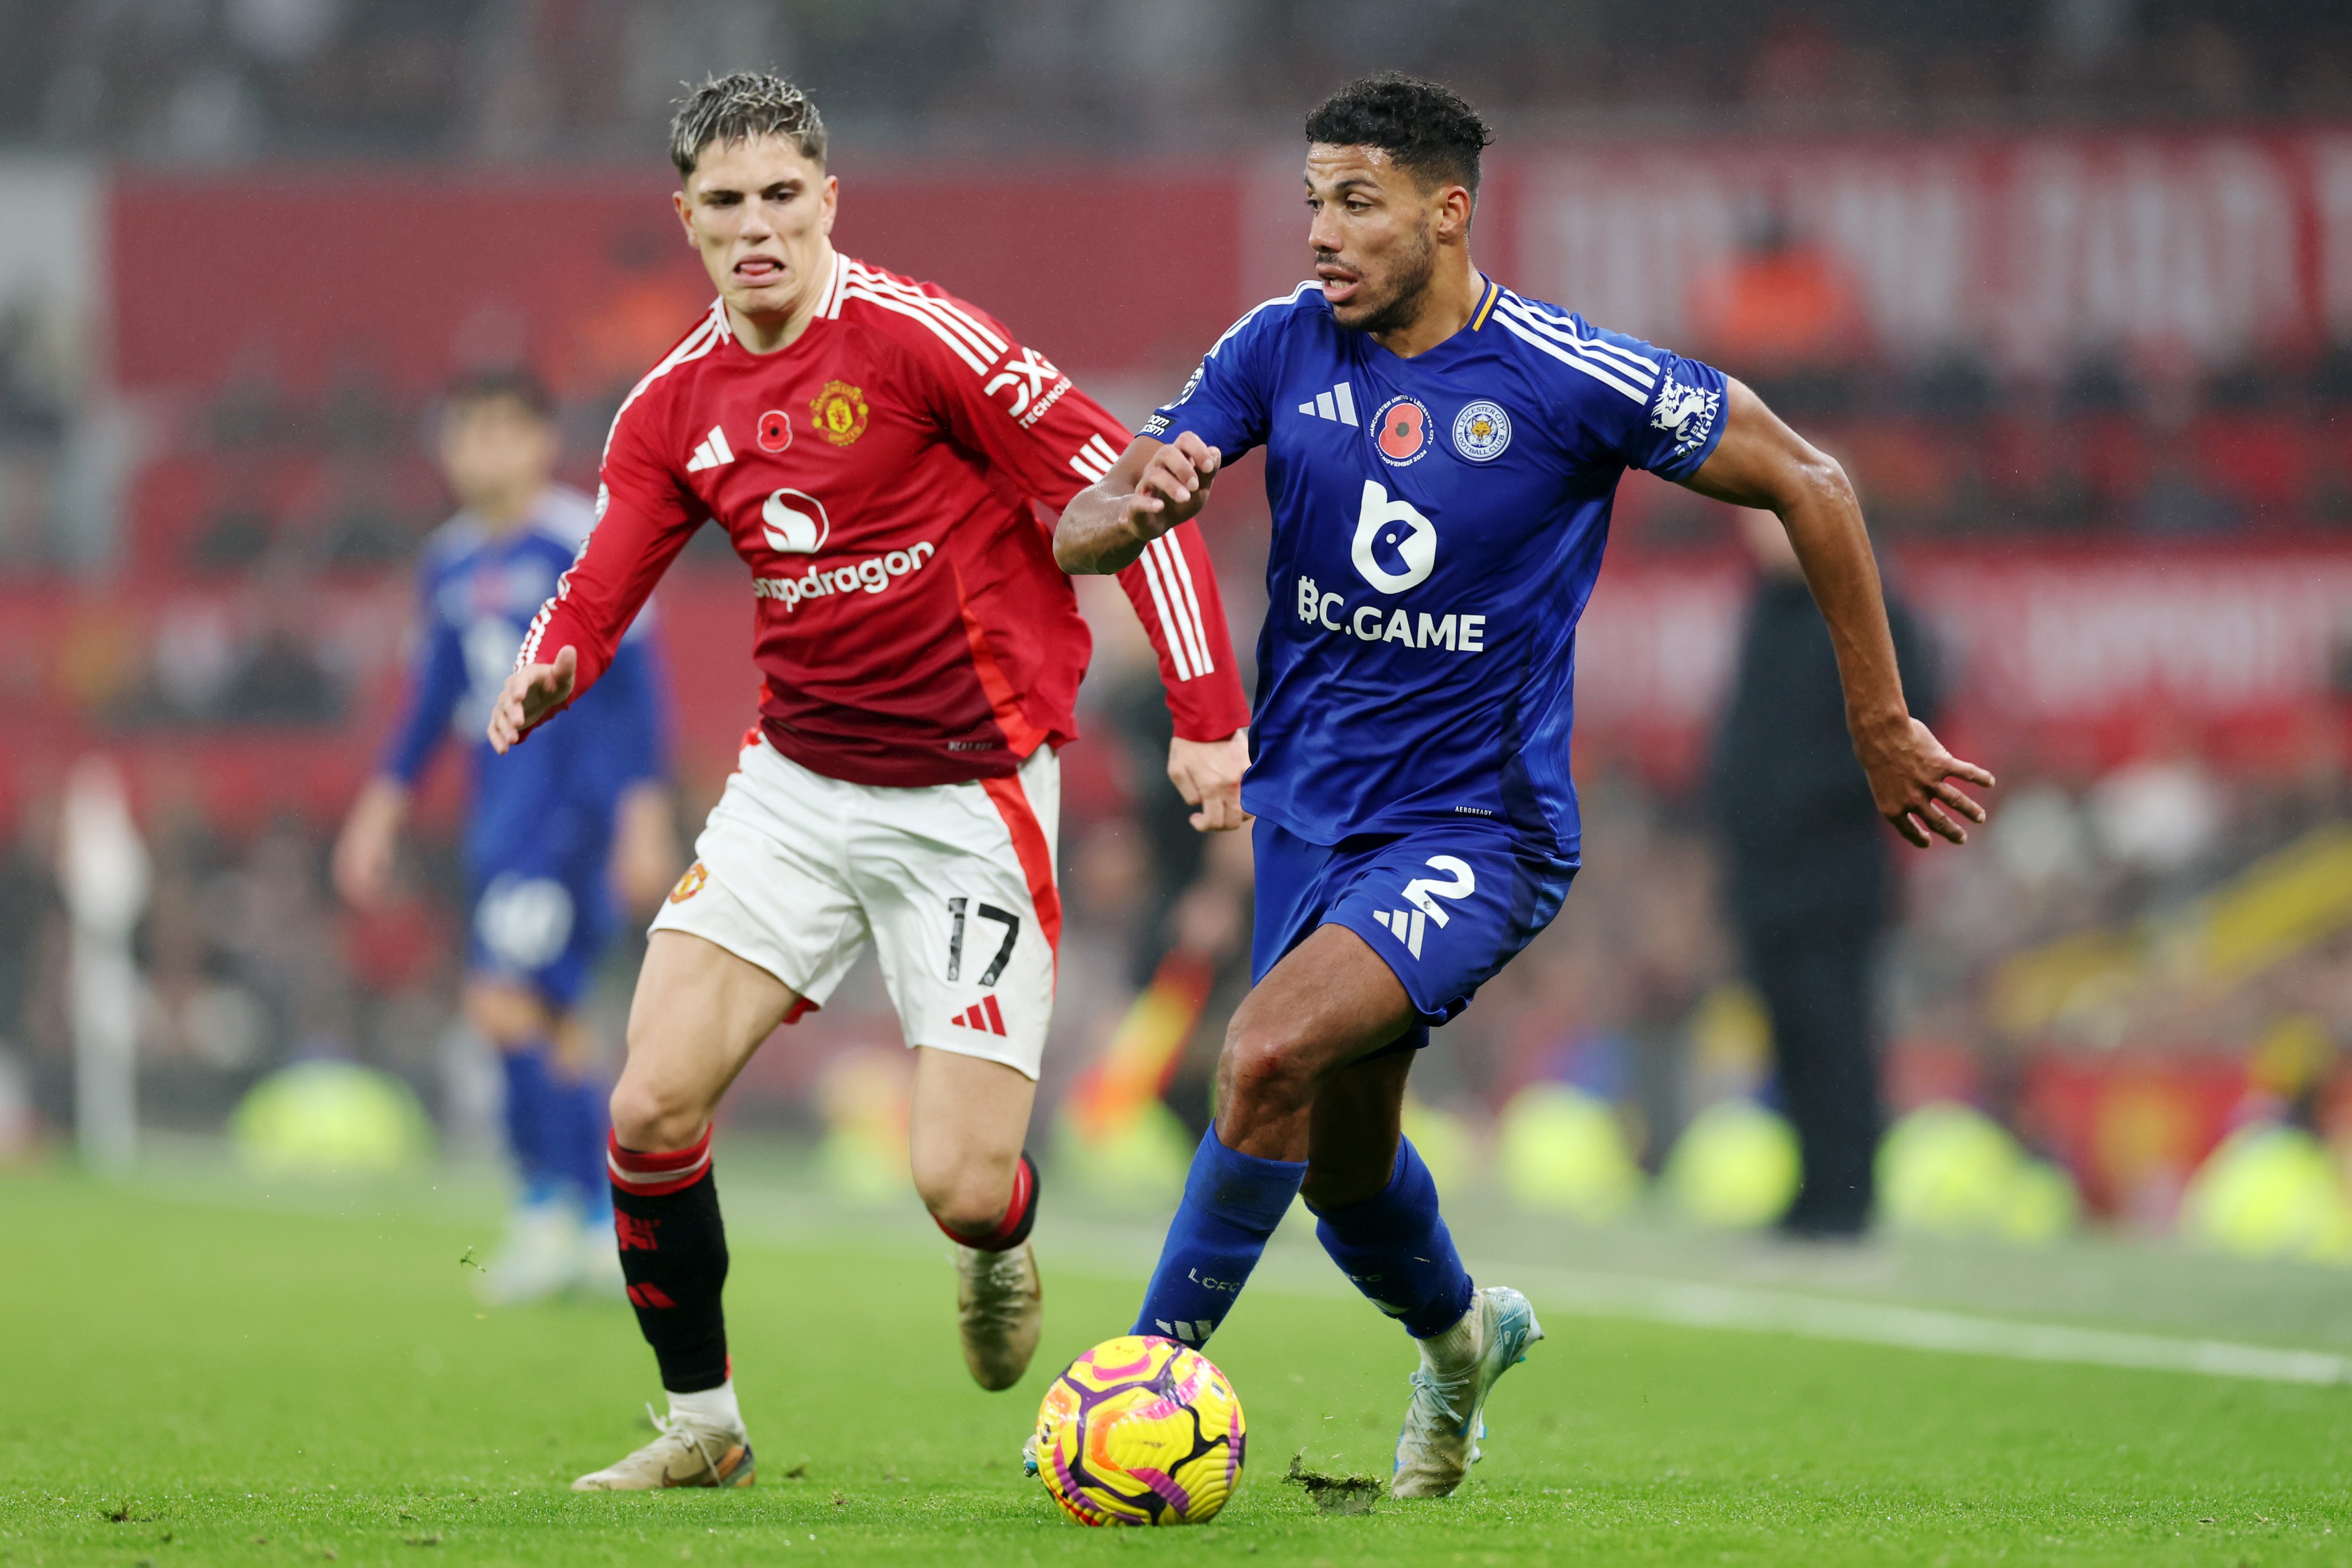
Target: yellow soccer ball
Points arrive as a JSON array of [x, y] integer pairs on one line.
[[1141, 1430]]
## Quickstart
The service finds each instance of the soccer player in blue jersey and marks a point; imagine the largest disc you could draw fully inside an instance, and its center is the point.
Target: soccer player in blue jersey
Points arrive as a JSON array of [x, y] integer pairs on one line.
[[553, 831], [1441, 456]]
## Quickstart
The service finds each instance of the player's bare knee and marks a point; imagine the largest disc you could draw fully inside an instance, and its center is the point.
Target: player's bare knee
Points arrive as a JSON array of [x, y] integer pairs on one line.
[[965, 1192], [968, 1210], [636, 1116], [652, 1120], [1267, 1069]]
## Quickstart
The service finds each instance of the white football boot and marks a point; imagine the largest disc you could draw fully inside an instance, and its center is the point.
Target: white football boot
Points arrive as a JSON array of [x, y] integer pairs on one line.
[[1000, 1305], [597, 1271], [687, 1454], [1458, 1369], [540, 1256]]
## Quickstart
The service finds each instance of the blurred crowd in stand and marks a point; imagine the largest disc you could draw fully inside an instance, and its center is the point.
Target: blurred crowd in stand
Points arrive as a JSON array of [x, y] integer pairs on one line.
[[284, 521], [1946, 448], [288, 525], [226, 79], [36, 406]]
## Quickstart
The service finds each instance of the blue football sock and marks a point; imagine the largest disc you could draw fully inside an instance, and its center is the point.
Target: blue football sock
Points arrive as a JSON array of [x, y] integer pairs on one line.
[[576, 1144], [1395, 1249], [1232, 1204], [529, 1119]]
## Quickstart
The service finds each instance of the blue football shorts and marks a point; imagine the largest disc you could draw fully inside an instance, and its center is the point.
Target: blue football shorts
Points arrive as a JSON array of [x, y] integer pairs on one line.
[[539, 926], [1445, 907]]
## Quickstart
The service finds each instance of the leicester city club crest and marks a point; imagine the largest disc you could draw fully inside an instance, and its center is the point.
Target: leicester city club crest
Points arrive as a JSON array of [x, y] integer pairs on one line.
[[1481, 431]]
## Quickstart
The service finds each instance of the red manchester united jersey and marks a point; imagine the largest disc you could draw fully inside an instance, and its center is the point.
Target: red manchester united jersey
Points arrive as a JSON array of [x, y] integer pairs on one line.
[[876, 476]]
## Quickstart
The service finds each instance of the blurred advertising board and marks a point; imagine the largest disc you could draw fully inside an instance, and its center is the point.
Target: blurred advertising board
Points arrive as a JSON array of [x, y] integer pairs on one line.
[[2029, 249], [2079, 659]]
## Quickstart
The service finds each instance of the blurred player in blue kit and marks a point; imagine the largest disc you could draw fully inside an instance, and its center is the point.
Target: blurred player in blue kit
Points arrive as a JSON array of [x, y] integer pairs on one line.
[[1442, 455], [555, 832]]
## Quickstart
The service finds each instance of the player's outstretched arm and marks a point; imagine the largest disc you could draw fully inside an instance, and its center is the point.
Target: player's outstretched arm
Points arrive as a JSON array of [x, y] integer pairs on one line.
[[1154, 486], [530, 694], [1761, 463], [370, 842]]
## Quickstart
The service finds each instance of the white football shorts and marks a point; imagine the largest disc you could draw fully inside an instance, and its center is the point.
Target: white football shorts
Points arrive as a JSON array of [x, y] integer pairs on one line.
[[953, 884]]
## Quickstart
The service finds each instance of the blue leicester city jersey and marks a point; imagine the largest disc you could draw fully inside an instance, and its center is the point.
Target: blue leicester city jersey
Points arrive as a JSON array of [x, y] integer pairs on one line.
[[1438, 524], [546, 806]]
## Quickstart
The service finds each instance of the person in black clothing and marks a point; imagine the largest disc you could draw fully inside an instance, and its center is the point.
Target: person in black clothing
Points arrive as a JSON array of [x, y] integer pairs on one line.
[[1809, 878]]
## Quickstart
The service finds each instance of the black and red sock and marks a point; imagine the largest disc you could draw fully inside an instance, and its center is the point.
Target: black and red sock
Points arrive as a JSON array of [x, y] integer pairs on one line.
[[1019, 1215], [674, 1257]]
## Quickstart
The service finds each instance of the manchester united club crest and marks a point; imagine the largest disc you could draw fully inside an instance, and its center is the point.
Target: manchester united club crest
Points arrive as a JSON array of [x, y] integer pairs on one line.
[[689, 884], [839, 413]]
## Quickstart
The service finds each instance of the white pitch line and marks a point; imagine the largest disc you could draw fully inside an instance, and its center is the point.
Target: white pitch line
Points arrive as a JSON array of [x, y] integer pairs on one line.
[[1699, 1306], [1101, 1249], [1693, 1305]]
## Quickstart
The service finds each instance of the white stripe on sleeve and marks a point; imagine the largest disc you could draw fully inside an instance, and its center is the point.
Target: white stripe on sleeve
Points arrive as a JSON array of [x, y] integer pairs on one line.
[[1574, 361], [696, 344], [1632, 366], [938, 328], [1179, 576], [1168, 631], [987, 342]]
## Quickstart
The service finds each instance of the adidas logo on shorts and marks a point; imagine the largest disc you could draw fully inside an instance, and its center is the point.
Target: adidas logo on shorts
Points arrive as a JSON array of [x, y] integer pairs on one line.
[[982, 1015], [1406, 928]]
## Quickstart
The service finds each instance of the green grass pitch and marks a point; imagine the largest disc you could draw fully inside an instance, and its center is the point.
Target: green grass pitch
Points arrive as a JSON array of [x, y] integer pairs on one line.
[[192, 1374]]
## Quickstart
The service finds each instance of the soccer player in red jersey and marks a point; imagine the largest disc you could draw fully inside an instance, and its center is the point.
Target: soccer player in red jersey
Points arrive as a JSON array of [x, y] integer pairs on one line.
[[873, 448]]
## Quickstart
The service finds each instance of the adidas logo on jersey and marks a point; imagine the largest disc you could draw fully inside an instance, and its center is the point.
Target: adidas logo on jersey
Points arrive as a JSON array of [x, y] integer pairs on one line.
[[712, 453], [1339, 405], [982, 1015]]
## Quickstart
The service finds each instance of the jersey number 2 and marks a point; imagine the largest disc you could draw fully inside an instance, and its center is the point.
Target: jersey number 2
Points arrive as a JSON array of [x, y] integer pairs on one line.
[[1012, 923], [1461, 883]]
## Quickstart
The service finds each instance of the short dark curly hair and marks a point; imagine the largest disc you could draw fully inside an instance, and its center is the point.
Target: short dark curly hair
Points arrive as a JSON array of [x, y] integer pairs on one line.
[[506, 383], [1424, 126], [740, 106]]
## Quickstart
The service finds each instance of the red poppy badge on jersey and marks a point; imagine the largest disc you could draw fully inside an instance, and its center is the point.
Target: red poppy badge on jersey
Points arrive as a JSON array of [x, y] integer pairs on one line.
[[775, 430], [1400, 430]]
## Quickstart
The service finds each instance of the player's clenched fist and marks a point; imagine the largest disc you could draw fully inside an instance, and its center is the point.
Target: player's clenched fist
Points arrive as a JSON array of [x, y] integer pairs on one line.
[[1910, 777], [1208, 774], [1173, 486], [530, 694]]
